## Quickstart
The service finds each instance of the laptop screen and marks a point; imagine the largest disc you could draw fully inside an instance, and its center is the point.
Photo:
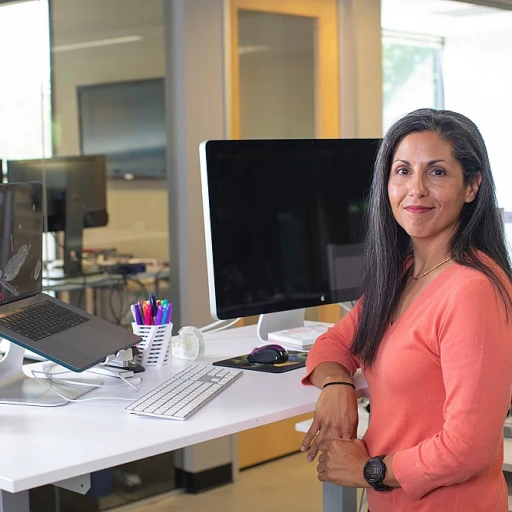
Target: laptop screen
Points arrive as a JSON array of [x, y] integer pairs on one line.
[[21, 229]]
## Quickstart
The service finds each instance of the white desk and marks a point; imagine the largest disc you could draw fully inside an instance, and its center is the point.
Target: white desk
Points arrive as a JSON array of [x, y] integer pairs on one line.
[[40, 446]]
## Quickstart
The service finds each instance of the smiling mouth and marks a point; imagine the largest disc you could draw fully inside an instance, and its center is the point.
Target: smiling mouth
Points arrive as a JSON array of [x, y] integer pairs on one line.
[[418, 209]]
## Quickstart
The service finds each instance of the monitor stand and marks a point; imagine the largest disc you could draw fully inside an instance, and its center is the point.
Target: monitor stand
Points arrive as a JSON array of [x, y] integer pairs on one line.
[[17, 388], [270, 322]]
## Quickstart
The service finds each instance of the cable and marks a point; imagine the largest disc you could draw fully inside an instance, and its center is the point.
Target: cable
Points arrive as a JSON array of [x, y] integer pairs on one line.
[[112, 288], [76, 399], [230, 324], [213, 324], [71, 382], [46, 372]]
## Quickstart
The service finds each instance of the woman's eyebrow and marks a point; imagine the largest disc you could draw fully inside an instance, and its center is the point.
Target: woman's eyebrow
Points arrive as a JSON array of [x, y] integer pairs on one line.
[[431, 162]]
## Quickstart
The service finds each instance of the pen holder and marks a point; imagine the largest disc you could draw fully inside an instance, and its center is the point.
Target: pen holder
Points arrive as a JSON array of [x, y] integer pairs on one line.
[[155, 346]]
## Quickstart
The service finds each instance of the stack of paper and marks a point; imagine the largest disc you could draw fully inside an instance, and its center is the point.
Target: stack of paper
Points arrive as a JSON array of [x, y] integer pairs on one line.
[[298, 337]]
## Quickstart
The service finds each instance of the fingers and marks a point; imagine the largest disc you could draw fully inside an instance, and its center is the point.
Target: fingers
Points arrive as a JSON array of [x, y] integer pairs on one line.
[[310, 435], [323, 445], [313, 450], [319, 445]]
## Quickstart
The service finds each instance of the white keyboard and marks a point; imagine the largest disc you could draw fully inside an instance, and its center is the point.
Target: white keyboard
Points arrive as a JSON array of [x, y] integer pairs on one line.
[[184, 393]]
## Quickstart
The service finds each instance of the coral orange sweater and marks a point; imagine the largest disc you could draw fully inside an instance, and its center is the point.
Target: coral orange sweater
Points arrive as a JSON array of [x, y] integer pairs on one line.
[[439, 389]]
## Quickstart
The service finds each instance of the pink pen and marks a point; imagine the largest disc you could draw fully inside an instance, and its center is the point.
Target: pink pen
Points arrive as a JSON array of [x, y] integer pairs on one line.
[[148, 320]]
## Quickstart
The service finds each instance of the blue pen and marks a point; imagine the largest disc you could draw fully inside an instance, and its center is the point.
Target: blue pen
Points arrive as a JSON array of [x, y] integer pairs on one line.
[[165, 314], [152, 302]]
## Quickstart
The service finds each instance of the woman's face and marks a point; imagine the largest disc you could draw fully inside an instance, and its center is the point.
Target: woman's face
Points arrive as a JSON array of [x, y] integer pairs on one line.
[[426, 187]]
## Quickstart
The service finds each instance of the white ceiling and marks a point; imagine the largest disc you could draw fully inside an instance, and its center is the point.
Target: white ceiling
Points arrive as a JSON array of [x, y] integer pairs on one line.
[[77, 21], [443, 17]]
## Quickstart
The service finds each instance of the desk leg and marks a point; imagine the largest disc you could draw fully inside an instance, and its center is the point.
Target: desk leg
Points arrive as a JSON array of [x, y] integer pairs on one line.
[[338, 499], [17, 502]]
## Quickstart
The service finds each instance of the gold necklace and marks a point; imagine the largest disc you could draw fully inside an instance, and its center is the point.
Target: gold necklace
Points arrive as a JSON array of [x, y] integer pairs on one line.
[[430, 270]]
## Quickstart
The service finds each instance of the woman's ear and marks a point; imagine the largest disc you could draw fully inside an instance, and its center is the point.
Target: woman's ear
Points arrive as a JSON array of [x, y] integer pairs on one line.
[[473, 187]]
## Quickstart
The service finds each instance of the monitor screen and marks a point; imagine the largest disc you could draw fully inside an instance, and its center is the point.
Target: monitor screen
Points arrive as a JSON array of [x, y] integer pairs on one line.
[[284, 222], [126, 122], [21, 224], [74, 198], [85, 173]]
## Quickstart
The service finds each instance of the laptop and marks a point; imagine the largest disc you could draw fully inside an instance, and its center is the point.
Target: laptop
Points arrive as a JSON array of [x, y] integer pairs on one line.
[[39, 322]]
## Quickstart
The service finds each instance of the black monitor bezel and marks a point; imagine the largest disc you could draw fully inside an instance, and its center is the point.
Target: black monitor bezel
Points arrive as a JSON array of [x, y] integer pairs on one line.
[[284, 304]]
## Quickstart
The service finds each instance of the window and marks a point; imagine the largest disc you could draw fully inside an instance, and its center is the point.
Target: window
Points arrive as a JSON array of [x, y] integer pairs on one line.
[[25, 84], [474, 42], [411, 74]]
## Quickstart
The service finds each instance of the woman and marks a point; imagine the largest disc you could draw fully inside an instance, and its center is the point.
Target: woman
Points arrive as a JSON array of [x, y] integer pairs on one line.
[[432, 332]]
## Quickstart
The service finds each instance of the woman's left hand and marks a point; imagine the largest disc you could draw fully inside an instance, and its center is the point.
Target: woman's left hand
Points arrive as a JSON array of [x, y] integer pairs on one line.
[[341, 462]]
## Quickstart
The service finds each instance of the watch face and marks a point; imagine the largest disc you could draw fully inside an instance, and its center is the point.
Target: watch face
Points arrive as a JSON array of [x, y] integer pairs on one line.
[[373, 470]]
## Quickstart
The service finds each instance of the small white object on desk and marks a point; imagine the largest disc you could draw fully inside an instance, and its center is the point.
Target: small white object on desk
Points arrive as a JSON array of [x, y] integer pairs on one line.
[[188, 343], [155, 346], [299, 337]]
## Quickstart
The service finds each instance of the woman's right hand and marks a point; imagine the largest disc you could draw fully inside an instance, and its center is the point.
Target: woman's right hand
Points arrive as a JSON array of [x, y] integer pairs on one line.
[[336, 416]]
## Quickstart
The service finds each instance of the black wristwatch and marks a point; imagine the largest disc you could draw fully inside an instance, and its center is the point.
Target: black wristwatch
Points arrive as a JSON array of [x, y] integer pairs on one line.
[[374, 473]]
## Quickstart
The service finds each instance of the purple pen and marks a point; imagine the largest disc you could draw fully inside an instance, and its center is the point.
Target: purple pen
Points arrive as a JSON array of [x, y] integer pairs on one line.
[[136, 314], [159, 315], [169, 314]]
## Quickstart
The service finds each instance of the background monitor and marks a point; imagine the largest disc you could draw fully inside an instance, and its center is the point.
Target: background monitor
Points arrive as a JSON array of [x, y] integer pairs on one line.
[[126, 122], [74, 198], [284, 222]]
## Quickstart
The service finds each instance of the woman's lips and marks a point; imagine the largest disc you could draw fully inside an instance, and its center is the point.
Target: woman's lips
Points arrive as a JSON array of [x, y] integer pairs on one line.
[[418, 209]]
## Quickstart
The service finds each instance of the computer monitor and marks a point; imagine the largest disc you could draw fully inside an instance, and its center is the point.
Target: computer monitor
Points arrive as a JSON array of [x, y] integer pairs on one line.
[[126, 122], [74, 198], [284, 225]]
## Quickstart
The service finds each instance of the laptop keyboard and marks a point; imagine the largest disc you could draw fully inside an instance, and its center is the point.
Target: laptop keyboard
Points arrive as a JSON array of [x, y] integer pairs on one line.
[[41, 320]]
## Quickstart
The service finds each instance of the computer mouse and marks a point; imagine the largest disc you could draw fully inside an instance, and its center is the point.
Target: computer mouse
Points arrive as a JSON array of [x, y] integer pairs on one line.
[[268, 354]]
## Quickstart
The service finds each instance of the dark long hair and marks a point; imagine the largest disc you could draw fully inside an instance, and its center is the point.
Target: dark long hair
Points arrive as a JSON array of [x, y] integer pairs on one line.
[[388, 246]]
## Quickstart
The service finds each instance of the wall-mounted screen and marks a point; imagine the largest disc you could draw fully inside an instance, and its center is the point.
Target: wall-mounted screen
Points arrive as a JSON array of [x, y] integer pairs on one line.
[[126, 122]]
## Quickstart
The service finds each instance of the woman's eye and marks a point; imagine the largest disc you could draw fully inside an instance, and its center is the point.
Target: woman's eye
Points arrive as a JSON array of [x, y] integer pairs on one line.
[[402, 170], [438, 172]]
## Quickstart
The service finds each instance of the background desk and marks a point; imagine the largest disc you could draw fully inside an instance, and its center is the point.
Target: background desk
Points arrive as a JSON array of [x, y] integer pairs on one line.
[[39, 446], [76, 288]]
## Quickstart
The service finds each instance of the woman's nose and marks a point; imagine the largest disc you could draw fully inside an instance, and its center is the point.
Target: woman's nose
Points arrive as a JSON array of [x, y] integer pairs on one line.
[[418, 185]]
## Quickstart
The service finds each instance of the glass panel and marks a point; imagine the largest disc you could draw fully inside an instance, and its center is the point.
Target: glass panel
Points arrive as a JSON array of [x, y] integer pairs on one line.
[[106, 96], [410, 74], [108, 70], [276, 75], [25, 123], [25, 84]]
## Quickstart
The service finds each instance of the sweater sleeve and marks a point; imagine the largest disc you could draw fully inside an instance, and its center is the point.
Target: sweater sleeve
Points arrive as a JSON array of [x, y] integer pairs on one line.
[[475, 349], [334, 345]]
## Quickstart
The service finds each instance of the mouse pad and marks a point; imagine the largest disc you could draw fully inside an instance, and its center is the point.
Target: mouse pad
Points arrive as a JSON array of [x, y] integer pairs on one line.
[[295, 360]]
